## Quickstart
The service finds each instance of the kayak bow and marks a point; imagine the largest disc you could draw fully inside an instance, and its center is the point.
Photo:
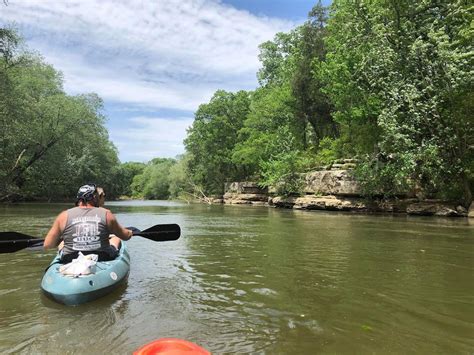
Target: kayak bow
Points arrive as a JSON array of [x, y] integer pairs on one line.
[[171, 346]]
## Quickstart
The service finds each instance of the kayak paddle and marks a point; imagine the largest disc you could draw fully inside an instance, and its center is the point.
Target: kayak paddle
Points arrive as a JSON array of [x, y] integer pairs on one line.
[[159, 232], [11, 242]]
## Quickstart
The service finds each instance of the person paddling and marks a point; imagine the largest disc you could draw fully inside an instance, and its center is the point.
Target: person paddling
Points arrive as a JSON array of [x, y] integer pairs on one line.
[[86, 228]]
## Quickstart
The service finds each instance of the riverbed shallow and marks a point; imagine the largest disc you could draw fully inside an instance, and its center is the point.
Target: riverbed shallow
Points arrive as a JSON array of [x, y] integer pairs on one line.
[[255, 280]]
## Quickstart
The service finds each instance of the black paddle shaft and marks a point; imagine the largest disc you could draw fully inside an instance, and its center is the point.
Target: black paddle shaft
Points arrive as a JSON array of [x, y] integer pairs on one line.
[[11, 242]]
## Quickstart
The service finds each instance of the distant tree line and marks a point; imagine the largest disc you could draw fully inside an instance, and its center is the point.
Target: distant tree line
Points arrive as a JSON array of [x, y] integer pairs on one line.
[[387, 81]]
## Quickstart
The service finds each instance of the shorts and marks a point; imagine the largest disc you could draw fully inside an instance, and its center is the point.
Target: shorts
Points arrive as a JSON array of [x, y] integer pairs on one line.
[[109, 253]]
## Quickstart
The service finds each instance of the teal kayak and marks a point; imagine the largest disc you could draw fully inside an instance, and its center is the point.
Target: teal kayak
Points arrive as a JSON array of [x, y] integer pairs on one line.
[[76, 290]]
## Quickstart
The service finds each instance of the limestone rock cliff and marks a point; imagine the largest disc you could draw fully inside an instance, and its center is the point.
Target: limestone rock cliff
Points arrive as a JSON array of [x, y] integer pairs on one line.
[[336, 189]]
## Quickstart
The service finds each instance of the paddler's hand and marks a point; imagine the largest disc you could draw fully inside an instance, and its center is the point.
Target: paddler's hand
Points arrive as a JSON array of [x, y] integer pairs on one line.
[[134, 230]]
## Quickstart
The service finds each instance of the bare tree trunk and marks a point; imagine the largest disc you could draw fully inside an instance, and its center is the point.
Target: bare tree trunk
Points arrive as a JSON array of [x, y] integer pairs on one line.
[[201, 196], [15, 175], [467, 198]]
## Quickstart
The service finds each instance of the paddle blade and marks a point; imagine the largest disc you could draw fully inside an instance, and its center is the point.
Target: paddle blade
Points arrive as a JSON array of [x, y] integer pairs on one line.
[[11, 242], [159, 232], [11, 246], [14, 236]]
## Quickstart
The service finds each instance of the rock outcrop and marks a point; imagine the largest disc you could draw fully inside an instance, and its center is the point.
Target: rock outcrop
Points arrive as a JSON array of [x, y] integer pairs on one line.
[[334, 188], [436, 208], [359, 204], [331, 182], [245, 193], [330, 203]]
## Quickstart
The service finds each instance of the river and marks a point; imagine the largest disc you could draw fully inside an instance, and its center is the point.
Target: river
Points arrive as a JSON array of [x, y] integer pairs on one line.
[[255, 280]]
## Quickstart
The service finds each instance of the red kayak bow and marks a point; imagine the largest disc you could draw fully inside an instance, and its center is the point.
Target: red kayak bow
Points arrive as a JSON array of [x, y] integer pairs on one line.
[[171, 346]]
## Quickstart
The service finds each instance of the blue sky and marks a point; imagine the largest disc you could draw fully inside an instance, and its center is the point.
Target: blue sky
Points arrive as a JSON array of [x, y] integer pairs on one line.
[[295, 10], [152, 62]]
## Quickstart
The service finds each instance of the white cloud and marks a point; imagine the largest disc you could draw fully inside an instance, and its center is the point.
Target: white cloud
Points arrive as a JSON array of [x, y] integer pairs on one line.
[[123, 87], [154, 54], [150, 137]]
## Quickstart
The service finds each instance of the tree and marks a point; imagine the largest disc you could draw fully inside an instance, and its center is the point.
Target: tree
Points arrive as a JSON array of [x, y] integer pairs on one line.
[[312, 105], [293, 59], [402, 70], [154, 182], [49, 141], [276, 68], [180, 184], [212, 138], [126, 173], [269, 130]]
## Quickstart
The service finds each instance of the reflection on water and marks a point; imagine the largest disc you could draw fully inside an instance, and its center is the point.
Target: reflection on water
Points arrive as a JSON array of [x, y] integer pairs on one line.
[[255, 279]]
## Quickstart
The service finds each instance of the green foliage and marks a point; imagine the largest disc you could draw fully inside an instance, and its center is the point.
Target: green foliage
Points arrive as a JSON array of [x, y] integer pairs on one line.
[[282, 169], [179, 186], [281, 172], [50, 143], [126, 174], [276, 68], [285, 170], [154, 182], [212, 138], [290, 61], [269, 129], [404, 68], [312, 105], [328, 151]]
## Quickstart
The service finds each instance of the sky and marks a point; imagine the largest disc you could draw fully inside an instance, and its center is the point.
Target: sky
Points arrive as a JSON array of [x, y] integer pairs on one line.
[[153, 62]]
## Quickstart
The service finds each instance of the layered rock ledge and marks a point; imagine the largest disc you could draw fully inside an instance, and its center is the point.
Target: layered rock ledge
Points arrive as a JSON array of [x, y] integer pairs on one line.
[[337, 190]]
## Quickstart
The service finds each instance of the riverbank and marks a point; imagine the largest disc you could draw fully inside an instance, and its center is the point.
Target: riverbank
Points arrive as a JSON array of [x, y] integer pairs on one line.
[[336, 190]]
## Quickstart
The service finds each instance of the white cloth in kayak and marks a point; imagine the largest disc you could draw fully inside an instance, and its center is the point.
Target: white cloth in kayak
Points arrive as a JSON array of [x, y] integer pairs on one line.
[[82, 265]]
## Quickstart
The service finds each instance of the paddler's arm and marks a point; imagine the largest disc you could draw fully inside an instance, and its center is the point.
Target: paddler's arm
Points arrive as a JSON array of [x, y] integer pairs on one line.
[[53, 237], [115, 228]]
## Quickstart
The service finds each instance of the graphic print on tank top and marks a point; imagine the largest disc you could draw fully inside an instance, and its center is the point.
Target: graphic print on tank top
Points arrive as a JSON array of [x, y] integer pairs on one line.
[[86, 233]]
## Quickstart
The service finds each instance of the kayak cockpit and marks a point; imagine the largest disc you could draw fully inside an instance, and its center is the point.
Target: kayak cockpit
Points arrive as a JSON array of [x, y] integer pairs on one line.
[[85, 288]]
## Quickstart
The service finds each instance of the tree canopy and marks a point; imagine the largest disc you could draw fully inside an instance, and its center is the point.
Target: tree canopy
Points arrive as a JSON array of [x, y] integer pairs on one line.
[[50, 142], [388, 82], [399, 73]]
